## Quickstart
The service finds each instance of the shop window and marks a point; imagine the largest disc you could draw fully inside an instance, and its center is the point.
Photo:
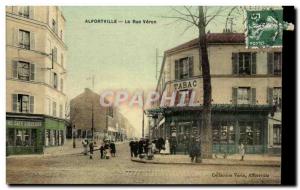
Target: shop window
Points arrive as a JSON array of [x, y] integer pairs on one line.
[[11, 137], [24, 11], [22, 137], [250, 134], [33, 137], [223, 133], [277, 134], [184, 68], [24, 39]]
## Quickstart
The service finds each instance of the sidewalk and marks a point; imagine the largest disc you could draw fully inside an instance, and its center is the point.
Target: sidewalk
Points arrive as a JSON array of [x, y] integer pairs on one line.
[[66, 149], [250, 160]]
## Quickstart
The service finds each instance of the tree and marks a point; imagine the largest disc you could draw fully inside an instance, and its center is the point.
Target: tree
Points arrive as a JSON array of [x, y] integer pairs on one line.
[[200, 19]]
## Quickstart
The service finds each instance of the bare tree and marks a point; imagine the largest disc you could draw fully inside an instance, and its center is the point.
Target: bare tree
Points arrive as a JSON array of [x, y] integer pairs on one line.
[[200, 18]]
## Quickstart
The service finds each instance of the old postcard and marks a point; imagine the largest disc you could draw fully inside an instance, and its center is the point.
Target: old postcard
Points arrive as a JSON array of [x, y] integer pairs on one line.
[[145, 94]]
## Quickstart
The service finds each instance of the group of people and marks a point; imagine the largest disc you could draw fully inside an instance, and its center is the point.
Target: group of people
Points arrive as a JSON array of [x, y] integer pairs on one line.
[[140, 147], [107, 148]]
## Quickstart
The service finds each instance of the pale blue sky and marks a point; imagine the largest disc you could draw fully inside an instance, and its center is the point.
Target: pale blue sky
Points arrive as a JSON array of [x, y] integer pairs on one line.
[[121, 56]]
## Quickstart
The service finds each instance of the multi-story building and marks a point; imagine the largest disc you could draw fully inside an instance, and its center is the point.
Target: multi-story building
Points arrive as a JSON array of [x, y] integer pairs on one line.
[[246, 87], [35, 78], [87, 113]]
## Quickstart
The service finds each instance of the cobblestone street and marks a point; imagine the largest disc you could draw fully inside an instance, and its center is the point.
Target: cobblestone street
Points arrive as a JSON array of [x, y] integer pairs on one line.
[[79, 169]]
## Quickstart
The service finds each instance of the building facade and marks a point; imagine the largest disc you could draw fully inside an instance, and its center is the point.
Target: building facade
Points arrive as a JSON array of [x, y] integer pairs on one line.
[[35, 78], [87, 113], [246, 88]]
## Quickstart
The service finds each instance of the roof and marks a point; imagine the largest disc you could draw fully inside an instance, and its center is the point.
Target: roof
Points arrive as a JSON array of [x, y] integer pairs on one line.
[[212, 38]]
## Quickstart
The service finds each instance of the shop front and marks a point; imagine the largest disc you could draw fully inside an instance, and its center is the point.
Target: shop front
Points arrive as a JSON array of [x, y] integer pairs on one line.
[[231, 125], [30, 133]]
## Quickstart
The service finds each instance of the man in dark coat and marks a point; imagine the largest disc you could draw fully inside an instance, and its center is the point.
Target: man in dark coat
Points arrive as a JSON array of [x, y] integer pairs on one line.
[[113, 149], [195, 150], [132, 146], [136, 148], [91, 145], [141, 146], [173, 143]]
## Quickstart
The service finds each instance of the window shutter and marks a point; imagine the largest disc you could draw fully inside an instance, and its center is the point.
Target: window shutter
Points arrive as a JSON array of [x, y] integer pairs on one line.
[[14, 102], [176, 69], [270, 96], [32, 40], [32, 71], [235, 59], [16, 37], [191, 66], [31, 12], [234, 95], [253, 96], [15, 69], [270, 61], [253, 63], [54, 55], [31, 101]]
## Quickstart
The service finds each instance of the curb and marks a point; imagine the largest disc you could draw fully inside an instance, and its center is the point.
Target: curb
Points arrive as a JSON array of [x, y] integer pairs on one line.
[[213, 164]]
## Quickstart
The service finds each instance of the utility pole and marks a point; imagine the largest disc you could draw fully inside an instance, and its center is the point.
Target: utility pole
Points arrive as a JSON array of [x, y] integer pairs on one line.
[[143, 127]]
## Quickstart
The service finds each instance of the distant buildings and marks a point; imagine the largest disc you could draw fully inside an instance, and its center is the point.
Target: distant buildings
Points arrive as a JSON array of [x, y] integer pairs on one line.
[[35, 78], [107, 122], [246, 86]]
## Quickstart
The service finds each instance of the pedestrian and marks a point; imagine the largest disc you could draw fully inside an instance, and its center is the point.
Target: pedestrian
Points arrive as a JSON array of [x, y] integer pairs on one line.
[[101, 151], [161, 144], [107, 150], [141, 147], [186, 145], [91, 145], [194, 150], [113, 149], [242, 151], [85, 146], [131, 145], [173, 145], [136, 149], [167, 148]]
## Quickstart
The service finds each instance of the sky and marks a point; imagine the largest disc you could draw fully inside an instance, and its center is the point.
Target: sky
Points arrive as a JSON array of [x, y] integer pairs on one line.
[[123, 56]]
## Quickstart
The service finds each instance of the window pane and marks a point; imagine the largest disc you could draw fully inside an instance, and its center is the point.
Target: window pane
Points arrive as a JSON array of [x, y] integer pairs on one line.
[[23, 70], [11, 137]]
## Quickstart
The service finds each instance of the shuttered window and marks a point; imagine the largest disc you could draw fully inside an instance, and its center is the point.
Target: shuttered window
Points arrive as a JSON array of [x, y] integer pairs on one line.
[[24, 11], [244, 63], [54, 109], [22, 103], [274, 60], [24, 39], [243, 95], [184, 68], [23, 70]]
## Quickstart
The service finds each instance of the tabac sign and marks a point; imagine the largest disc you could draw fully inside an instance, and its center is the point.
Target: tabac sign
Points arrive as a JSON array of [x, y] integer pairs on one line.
[[264, 28], [185, 85]]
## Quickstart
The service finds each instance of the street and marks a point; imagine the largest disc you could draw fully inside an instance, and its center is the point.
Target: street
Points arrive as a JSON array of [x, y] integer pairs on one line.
[[79, 169]]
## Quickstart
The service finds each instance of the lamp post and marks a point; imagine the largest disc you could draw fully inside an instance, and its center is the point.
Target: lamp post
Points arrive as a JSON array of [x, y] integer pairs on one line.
[[73, 136]]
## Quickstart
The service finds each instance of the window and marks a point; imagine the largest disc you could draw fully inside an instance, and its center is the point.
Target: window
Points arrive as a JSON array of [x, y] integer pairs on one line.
[[250, 133], [61, 85], [244, 63], [23, 70], [11, 137], [187, 96], [277, 134], [223, 133], [243, 95], [54, 55], [22, 137], [61, 34], [60, 111], [55, 82], [24, 39], [54, 109], [62, 60], [24, 11], [274, 63], [23, 103], [184, 68], [53, 25], [275, 97]]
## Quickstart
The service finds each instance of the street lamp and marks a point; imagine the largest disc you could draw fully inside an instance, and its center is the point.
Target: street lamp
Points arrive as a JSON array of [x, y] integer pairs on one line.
[[73, 136]]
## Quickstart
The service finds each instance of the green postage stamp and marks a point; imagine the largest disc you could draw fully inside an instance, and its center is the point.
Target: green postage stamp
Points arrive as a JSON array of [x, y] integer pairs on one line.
[[264, 28]]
